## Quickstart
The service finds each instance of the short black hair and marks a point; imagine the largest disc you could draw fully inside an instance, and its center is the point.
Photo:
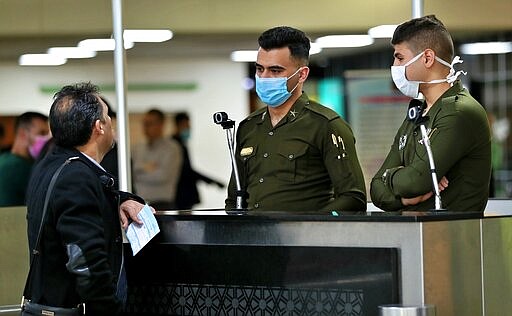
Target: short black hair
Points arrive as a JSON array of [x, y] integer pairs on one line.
[[425, 32], [74, 111], [156, 112], [111, 111], [284, 36], [180, 117], [25, 119]]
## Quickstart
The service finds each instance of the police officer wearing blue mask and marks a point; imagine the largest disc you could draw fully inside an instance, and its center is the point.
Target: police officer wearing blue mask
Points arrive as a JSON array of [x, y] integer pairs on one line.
[[294, 154]]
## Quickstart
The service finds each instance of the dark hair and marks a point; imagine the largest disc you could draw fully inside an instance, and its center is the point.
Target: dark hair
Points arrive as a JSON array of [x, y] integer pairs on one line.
[[425, 32], [74, 111], [180, 117], [284, 36], [25, 119], [111, 111], [156, 112]]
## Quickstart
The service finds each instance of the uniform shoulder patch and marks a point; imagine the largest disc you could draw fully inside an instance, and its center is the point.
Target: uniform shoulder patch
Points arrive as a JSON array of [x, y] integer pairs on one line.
[[254, 114], [322, 110]]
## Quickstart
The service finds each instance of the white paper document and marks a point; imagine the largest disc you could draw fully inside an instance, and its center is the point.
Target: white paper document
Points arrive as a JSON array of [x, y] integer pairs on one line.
[[140, 235]]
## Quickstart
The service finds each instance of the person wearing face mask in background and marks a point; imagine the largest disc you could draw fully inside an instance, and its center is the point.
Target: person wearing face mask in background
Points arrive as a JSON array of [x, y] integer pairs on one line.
[[294, 154], [187, 194], [457, 127], [31, 134]]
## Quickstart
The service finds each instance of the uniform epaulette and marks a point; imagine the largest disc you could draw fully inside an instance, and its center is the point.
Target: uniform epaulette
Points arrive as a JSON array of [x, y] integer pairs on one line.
[[254, 114], [322, 110]]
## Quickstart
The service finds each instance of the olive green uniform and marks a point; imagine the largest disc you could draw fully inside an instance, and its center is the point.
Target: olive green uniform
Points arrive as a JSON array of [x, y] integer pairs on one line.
[[460, 139], [307, 162]]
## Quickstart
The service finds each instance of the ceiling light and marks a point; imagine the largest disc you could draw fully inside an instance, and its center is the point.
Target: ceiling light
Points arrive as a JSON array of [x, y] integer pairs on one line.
[[244, 55], [486, 48], [344, 41], [315, 49], [154, 36], [41, 60], [251, 55], [102, 44], [382, 31], [71, 52]]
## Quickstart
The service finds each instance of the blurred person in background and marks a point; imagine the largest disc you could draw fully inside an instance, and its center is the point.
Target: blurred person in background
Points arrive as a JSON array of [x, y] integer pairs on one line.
[[156, 163], [187, 194], [31, 134]]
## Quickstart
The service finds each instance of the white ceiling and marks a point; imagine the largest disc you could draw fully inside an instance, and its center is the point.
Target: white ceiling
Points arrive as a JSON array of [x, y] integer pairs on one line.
[[216, 27]]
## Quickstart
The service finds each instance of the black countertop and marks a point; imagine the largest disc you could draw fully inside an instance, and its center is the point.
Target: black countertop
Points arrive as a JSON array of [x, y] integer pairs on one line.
[[409, 216]]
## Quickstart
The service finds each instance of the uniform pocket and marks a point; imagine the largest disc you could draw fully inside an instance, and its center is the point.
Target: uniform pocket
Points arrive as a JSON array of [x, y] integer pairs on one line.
[[292, 164]]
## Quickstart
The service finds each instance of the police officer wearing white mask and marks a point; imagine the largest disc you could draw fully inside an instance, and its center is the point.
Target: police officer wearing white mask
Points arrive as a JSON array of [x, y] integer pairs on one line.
[[457, 128]]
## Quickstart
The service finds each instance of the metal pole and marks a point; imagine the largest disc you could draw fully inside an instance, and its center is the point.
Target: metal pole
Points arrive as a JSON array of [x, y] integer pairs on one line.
[[426, 143], [123, 145], [417, 8]]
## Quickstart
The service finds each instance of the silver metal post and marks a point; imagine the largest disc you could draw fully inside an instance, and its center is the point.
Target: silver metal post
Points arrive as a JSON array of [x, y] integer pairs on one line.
[[417, 8], [123, 143], [426, 143], [231, 144]]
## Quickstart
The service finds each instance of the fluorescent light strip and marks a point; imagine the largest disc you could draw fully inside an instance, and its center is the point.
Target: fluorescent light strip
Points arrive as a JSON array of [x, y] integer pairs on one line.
[[149, 36], [332, 41], [251, 55], [71, 52], [314, 49], [41, 60], [102, 44], [382, 31], [244, 56], [484, 48]]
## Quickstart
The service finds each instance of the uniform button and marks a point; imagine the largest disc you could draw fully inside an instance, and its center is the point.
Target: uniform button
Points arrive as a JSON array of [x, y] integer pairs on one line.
[[270, 133], [290, 156], [415, 133], [256, 205], [261, 180], [265, 155]]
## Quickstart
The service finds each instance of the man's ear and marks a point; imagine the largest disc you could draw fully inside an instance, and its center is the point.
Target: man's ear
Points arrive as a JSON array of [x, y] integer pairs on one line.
[[429, 57], [98, 128], [303, 74]]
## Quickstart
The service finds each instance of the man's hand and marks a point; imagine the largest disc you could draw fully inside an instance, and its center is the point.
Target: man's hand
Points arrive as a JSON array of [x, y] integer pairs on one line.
[[417, 200], [443, 184], [129, 210]]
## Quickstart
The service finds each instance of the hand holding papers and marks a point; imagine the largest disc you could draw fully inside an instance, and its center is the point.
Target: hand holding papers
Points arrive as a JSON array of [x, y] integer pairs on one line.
[[140, 235]]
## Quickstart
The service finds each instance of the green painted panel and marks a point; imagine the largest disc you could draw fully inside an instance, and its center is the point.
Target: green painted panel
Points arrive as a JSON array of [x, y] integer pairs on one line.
[[141, 87]]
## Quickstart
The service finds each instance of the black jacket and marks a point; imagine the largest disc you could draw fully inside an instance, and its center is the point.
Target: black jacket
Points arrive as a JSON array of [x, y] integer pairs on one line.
[[187, 194], [81, 244]]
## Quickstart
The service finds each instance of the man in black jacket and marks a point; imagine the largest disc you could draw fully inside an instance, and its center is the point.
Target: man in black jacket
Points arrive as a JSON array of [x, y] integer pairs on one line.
[[81, 259], [187, 194]]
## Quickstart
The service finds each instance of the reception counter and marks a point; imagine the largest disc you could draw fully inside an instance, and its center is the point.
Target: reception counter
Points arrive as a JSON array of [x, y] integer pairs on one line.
[[210, 263]]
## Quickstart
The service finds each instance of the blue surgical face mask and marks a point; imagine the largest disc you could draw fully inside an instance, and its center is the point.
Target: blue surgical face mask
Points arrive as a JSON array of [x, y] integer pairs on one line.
[[273, 91], [185, 134]]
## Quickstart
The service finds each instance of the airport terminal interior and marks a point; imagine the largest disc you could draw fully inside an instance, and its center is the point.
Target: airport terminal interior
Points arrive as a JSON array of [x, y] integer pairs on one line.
[[438, 264]]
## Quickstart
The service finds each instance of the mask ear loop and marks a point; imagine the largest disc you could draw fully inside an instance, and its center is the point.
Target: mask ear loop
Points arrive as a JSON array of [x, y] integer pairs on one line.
[[300, 68], [452, 75]]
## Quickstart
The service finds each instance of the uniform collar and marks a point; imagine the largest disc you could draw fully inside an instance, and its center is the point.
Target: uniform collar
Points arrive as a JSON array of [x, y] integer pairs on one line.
[[448, 97], [294, 112]]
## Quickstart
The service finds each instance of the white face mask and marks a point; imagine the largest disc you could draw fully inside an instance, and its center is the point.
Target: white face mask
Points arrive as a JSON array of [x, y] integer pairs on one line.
[[411, 88]]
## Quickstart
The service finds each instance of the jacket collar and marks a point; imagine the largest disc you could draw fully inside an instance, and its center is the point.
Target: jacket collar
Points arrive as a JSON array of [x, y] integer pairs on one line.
[[295, 111]]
